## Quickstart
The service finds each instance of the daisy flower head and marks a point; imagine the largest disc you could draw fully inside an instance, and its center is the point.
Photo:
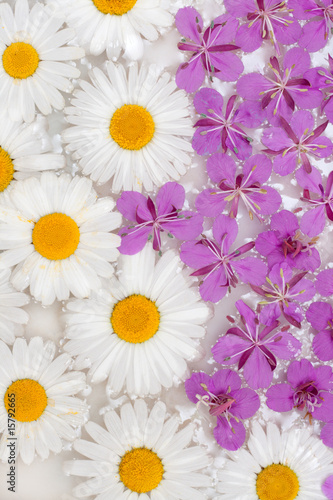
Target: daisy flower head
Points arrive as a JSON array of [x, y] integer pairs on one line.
[[37, 394], [11, 316], [130, 127], [280, 465], [142, 455], [56, 234], [116, 25], [24, 151], [142, 328], [33, 59]]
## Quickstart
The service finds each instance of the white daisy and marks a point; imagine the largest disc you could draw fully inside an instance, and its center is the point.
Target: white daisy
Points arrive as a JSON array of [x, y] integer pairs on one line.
[[23, 151], [11, 316], [57, 231], [141, 456], [280, 465], [31, 46], [130, 127], [116, 25], [36, 393], [139, 330]]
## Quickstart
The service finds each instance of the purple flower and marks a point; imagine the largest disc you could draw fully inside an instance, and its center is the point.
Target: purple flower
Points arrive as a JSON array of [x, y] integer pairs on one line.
[[308, 389], [151, 220], [326, 436], [324, 282], [211, 51], [216, 129], [219, 267], [291, 144], [255, 348], [316, 32], [320, 316], [285, 243], [282, 295], [248, 186], [223, 395], [313, 221], [268, 20], [322, 78], [282, 88]]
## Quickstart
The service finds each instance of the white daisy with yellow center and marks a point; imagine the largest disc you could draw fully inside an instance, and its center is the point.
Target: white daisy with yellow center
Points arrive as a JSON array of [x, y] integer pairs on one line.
[[12, 317], [57, 234], [24, 151], [116, 25], [134, 128], [141, 329], [32, 54], [280, 465], [37, 394], [141, 456]]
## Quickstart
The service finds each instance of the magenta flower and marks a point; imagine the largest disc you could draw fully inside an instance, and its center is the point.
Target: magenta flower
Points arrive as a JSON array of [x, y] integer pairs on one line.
[[227, 401], [313, 221], [316, 32], [283, 294], [219, 267], [216, 129], [326, 436], [308, 389], [255, 348], [322, 78], [285, 243], [282, 88], [248, 187], [150, 220], [211, 51], [324, 283], [320, 316], [291, 144], [267, 20]]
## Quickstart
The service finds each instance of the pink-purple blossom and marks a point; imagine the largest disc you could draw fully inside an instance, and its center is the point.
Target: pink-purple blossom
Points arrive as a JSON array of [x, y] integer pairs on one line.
[[320, 15], [286, 243], [266, 20], [324, 282], [313, 221], [150, 220], [308, 389], [326, 436], [255, 347], [219, 268], [216, 130], [320, 316], [283, 87], [322, 79], [227, 401], [211, 50], [292, 143], [247, 186], [282, 294]]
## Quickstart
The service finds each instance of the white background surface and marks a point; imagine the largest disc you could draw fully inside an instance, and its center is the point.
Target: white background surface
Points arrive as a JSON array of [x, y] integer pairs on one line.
[[45, 480]]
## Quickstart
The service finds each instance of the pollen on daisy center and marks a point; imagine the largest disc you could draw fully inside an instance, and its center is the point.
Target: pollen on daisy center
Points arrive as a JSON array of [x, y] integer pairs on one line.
[[135, 319], [56, 236], [25, 399], [277, 482], [6, 170], [141, 470], [20, 60], [116, 7], [132, 127]]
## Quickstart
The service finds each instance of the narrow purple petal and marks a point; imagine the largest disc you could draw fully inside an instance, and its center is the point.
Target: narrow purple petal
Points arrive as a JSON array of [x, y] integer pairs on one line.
[[257, 371], [188, 20], [190, 75], [225, 232]]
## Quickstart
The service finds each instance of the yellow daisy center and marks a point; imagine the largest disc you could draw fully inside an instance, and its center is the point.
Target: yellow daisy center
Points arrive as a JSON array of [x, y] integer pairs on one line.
[[56, 236], [277, 482], [132, 127], [135, 319], [141, 470], [117, 7], [26, 400], [6, 170], [20, 60]]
